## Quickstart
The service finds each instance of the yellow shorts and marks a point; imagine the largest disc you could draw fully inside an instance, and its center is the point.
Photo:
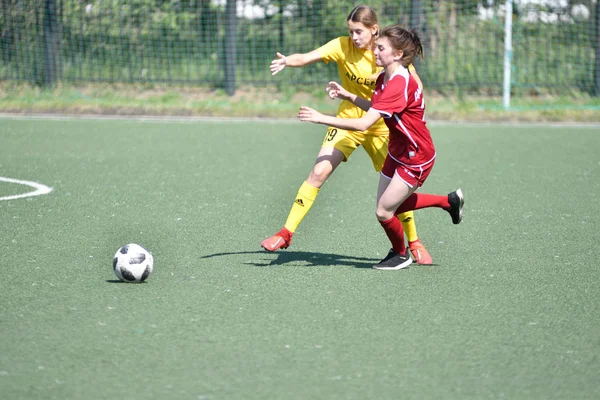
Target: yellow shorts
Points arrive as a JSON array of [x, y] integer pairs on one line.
[[375, 143]]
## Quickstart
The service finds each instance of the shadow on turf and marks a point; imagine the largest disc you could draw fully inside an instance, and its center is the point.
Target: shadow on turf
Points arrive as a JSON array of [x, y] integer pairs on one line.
[[304, 259]]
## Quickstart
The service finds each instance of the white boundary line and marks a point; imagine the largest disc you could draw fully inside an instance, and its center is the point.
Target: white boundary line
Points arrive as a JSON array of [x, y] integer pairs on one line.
[[39, 189], [141, 118], [184, 119]]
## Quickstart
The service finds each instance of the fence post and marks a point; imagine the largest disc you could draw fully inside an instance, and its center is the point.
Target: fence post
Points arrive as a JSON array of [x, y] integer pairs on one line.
[[415, 23], [230, 45], [281, 26], [507, 53], [597, 46], [50, 30]]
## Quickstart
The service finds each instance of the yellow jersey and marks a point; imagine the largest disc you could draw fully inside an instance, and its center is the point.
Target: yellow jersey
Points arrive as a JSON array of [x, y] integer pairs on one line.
[[358, 73]]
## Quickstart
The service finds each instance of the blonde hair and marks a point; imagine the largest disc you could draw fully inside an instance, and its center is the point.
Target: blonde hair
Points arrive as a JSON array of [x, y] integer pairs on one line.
[[365, 15]]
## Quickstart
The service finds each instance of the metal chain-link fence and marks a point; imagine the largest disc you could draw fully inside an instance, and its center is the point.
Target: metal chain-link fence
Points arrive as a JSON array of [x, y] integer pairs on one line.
[[226, 43]]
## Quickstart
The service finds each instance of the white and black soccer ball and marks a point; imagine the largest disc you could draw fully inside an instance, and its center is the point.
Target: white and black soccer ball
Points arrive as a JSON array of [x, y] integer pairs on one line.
[[133, 263]]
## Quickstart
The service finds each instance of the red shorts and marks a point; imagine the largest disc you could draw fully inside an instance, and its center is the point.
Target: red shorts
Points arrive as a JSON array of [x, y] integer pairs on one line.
[[411, 174]]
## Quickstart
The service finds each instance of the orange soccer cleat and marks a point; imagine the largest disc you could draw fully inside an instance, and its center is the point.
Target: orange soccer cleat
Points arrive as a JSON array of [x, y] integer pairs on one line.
[[420, 253], [280, 240]]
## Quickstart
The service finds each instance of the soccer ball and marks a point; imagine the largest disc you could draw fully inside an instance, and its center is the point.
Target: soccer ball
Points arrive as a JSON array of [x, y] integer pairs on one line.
[[133, 263]]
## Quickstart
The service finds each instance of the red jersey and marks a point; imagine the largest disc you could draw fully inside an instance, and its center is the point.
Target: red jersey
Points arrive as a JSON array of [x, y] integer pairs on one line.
[[400, 102]]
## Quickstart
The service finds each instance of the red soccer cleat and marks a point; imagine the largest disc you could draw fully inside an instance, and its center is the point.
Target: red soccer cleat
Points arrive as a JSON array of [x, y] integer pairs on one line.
[[280, 240], [420, 253]]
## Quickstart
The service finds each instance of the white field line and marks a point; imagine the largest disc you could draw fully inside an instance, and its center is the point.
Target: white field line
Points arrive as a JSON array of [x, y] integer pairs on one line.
[[39, 189], [141, 118], [183, 119]]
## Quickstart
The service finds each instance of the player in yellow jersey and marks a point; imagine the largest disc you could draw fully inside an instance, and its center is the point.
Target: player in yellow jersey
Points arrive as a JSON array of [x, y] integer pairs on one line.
[[355, 59]]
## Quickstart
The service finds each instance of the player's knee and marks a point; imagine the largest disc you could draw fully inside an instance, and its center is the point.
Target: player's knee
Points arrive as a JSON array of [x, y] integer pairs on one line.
[[382, 214], [320, 173]]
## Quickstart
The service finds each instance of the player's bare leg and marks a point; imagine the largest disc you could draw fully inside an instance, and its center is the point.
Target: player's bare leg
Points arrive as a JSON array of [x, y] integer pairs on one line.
[[327, 161]]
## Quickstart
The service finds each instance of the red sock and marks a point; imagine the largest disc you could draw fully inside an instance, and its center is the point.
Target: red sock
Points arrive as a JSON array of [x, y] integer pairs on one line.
[[393, 230], [423, 200]]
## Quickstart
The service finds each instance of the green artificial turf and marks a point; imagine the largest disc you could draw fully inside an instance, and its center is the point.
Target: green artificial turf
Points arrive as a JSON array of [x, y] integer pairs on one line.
[[509, 310]]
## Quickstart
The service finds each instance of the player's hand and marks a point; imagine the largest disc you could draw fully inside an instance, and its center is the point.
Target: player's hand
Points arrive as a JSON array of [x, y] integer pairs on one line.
[[278, 64], [307, 114], [335, 90]]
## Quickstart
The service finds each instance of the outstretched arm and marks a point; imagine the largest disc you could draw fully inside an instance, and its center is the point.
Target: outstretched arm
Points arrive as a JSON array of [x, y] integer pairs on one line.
[[336, 90], [307, 114], [294, 60]]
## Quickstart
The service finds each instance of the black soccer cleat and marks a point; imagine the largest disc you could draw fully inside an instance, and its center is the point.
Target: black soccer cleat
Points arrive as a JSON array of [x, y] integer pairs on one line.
[[394, 261], [456, 200]]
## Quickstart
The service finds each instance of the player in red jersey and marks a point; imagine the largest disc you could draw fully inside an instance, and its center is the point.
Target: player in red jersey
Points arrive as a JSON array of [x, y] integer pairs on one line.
[[398, 98]]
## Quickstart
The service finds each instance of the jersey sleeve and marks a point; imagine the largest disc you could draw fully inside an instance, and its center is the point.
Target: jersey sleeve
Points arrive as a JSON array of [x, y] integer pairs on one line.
[[332, 50], [391, 100]]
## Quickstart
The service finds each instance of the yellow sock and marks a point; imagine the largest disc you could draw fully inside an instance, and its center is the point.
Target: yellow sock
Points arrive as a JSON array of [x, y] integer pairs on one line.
[[408, 223], [304, 200]]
